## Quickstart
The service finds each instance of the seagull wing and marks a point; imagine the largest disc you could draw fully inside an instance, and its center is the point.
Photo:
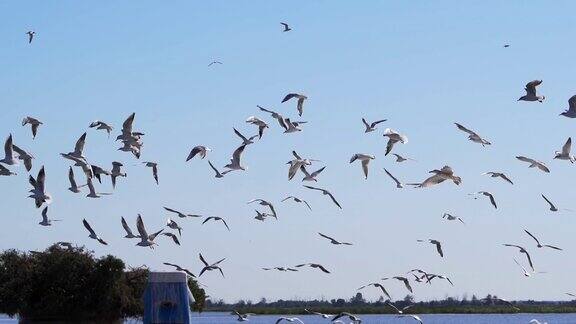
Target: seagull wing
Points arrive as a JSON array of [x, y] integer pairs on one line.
[[531, 87], [203, 260], [8, 147], [238, 154], [567, 146], [377, 122], [532, 236], [88, 227], [223, 221], [126, 227], [334, 199], [289, 96], [127, 125], [439, 248], [398, 183], [492, 200], [244, 139], [79, 147], [141, 228], [71, 178], [464, 129], [326, 236], [552, 207], [317, 172]]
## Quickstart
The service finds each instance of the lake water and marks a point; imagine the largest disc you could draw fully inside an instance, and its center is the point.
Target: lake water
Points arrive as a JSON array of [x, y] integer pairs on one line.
[[224, 318]]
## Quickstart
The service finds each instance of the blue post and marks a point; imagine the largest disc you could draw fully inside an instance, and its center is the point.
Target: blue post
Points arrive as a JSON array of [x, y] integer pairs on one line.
[[167, 299]]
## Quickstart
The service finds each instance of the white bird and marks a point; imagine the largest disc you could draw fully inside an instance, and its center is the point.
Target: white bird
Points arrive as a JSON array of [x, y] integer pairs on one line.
[[92, 233], [296, 164], [487, 194], [534, 163], [334, 241], [9, 156], [446, 173], [498, 175], [451, 218], [542, 245], [199, 150], [473, 136], [216, 218], [145, 239], [275, 115], [245, 140], [292, 127], [45, 220], [30, 34], [34, 124], [210, 267], [400, 158], [129, 233], [298, 200], [399, 184], [173, 225], [242, 317], [180, 214], [214, 62], [102, 126], [438, 245], [154, 167], [326, 193], [571, 111], [393, 138], [286, 27], [235, 163], [565, 154], [179, 268], [524, 251], [300, 104], [526, 273], [365, 159], [399, 311], [39, 193], [258, 122], [311, 176], [289, 319], [404, 280], [78, 151], [414, 317], [531, 92], [535, 321], [265, 203], [371, 127], [23, 156], [552, 207]]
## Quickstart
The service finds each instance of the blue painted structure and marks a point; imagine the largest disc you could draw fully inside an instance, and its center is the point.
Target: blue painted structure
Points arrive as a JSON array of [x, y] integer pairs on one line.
[[167, 299]]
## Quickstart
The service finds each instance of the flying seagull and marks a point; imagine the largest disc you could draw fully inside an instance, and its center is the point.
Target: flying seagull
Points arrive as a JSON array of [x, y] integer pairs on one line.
[[526, 273], [565, 154], [129, 233], [24, 156], [399, 311], [92, 233], [398, 183], [235, 163], [365, 159], [180, 214], [552, 207], [100, 125], [300, 104], [45, 220], [313, 265], [199, 150], [275, 115], [245, 140], [179, 268], [264, 203], [353, 318], [571, 111], [400, 158], [334, 241], [473, 136], [9, 156], [210, 267], [172, 236], [286, 27], [522, 250], [534, 163], [326, 193], [371, 127], [310, 176], [531, 92], [451, 218], [145, 239], [437, 243], [173, 225], [241, 317], [38, 193], [393, 138], [498, 175], [34, 124], [404, 280], [116, 172], [542, 245], [154, 167], [282, 269], [78, 151], [446, 173], [258, 122], [298, 200], [30, 34], [487, 194], [73, 186], [216, 218], [214, 62], [289, 319]]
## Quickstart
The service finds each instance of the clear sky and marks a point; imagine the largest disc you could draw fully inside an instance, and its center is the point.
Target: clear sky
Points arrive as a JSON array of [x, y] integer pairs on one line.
[[422, 65]]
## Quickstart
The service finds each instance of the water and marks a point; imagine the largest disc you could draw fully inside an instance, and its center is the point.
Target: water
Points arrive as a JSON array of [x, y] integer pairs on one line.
[[225, 318]]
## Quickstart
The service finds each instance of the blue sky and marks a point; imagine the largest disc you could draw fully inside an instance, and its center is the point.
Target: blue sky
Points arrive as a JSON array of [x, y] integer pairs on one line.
[[421, 65]]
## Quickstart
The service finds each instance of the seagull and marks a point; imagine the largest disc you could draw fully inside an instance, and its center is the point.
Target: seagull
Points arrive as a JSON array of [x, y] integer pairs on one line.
[[498, 175], [45, 221], [261, 216], [93, 193], [438, 245], [400, 158], [571, 111], [300, 98], [414, 317], [92, 233], [73, 186], [241, 317], [333, 241], [393, 138], [451, 218], [245, 140], [78, 151], [283, 269], [214, 62], [30, 34], [552, 207], [198, 150], [325, 192], [296, 164], [534, 163], [129, 233], [235, 163], [216, 218], [531, 92], [24, 156], [298, 200], [39, 193], [101, 125], [289, 319], [310, 176], [5, 172], [286, 27], [179, 268], [275, 115], [487, 194], [404, 280], [292, 127], [145, 239], [439, 176], [258, 122], [9, 157], [180, 214], [173, 225], [565, 154], [313, 265], [431, 276], [34, 123], [473, 136], [210, 267], [116, 172], [154, 167], [365, 158], [174, 237], [542, 245], [526, 273], [522, 250], [399, 311], [371, 127], [265, 203], [98, 171], [398, 183], [353, 318], [535, 321], [324, 316]]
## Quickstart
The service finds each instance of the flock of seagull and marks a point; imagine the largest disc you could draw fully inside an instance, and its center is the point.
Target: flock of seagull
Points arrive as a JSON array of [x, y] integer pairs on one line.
[[132, 142]]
